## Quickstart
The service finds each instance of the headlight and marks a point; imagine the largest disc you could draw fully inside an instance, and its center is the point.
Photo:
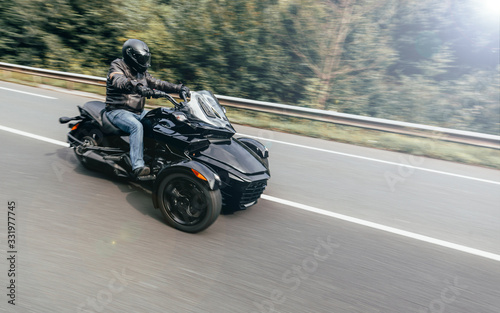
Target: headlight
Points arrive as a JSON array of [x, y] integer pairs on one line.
[[181, 117]]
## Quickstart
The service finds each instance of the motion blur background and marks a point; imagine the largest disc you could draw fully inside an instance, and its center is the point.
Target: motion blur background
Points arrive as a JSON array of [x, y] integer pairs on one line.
[[429, 62], [88, 243]]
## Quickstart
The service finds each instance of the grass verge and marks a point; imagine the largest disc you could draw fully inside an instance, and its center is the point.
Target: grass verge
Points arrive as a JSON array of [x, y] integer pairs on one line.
[[419, 146]]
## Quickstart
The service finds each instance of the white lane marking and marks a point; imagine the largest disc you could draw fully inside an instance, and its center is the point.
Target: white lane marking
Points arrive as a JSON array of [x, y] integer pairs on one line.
[[22, 133], [27, 93], [388, 229], [304, 207], [377, 160]]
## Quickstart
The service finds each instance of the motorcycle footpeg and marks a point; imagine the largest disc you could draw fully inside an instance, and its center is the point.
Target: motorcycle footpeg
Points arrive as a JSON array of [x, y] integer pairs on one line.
[[147, 177]]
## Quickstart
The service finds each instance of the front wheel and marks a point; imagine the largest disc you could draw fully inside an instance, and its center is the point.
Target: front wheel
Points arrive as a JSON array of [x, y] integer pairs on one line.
[[188, 204]]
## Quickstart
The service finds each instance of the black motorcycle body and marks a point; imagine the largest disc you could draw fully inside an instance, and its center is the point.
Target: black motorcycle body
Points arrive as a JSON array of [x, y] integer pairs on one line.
[[198, 168]]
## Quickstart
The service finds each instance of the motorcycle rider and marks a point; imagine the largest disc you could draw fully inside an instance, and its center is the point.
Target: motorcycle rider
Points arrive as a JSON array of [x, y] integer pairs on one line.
[[127, 87]]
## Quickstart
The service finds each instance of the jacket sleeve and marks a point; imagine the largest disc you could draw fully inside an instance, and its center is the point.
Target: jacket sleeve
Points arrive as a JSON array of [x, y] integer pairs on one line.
[[162, 85], [118, 79]]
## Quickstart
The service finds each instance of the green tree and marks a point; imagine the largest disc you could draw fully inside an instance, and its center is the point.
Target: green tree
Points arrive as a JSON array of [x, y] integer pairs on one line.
[[82, 35], [67, 35], [445, 52], [21, 39], [231, 47], [337, 40]]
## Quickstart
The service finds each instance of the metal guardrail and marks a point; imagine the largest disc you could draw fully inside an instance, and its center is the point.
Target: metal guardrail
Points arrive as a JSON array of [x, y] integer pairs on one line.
[[76, 78], [453, 135]]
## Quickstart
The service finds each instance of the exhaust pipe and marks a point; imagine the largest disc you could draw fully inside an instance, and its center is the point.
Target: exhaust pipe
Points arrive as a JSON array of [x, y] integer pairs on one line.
[[97, 162]]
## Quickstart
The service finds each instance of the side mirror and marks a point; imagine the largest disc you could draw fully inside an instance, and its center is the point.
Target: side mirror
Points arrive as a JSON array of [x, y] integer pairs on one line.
[[64, 120]]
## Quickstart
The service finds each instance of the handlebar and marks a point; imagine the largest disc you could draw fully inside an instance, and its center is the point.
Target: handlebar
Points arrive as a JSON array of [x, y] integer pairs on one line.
[[162, 94]]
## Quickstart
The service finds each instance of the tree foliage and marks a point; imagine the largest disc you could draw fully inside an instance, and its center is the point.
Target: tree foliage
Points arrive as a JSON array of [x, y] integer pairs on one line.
[[423, 61]]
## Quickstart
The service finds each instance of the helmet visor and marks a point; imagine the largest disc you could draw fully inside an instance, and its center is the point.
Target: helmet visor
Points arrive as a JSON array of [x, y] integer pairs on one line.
[[143, 59]]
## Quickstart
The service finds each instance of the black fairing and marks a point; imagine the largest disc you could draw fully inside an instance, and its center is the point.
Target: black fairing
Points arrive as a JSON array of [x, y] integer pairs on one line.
[[235, 155], [242, 172]]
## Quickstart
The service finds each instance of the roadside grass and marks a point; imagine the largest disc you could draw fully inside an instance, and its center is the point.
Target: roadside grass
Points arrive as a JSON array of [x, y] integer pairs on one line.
[[419, 146]]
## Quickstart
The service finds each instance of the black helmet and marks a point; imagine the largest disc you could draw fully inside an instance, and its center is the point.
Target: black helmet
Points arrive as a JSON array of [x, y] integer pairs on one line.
[[136, 54]]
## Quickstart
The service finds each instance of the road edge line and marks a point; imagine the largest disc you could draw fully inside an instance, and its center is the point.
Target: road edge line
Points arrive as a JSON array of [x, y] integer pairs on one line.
[[388, 229]]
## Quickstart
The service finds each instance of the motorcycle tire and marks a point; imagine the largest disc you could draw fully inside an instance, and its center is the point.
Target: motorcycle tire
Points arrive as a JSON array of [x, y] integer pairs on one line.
[[88, 137], [187, 204]]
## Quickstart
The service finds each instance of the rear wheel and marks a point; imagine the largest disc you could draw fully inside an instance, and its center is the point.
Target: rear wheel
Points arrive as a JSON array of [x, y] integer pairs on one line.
[[187, 203], [89, 138]]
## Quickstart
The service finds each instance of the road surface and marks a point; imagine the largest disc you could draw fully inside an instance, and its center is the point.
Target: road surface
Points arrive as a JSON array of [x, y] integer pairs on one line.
[[340, 228]]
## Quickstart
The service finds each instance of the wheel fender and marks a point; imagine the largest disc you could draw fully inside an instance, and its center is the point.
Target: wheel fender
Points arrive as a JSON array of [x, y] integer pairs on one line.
[[256, 146], [210, 177]]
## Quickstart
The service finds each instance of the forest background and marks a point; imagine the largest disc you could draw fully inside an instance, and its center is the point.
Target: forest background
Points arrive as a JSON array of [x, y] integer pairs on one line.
[[433, 62]]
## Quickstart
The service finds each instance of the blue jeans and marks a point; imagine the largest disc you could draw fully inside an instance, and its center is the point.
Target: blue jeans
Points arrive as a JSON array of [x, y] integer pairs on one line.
[[130, 123]]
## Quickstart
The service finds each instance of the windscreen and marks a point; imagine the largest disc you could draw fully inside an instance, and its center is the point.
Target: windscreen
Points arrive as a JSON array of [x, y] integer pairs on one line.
[[204, 106]]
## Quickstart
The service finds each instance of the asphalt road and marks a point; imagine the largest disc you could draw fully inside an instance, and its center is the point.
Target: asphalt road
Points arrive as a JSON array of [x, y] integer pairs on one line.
[[340, 229]]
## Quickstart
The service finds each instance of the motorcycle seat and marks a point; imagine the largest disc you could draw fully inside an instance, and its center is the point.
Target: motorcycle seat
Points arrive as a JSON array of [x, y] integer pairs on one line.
[[110, 128], [97, 109]]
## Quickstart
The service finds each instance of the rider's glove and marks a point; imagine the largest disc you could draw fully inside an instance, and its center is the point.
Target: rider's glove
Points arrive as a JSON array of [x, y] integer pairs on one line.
[[158, 94], [144, 91], [185, 90]]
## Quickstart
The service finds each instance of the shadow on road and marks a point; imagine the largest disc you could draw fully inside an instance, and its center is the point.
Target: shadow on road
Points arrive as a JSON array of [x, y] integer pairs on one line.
[[138, 195]]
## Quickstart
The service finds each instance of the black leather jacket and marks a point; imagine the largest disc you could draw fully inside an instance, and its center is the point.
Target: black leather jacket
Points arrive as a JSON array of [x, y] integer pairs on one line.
[[121, 83]]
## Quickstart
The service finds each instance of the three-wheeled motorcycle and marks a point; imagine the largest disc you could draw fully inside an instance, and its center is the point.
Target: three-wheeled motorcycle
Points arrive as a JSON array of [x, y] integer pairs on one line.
[[198, 168]]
